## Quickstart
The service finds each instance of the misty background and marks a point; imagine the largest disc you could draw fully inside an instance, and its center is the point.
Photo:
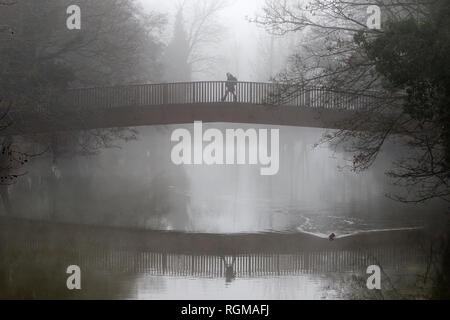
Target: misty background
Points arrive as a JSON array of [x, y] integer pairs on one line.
[[230, 42], [125, 177]]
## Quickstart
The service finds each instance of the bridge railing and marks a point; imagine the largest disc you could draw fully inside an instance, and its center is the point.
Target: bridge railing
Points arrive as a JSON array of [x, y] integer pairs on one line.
[[211, 92]]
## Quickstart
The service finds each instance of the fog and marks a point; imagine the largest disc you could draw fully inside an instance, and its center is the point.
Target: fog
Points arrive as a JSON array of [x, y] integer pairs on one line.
[[125, 176], [88, 112], [136, 184], [243, 48]]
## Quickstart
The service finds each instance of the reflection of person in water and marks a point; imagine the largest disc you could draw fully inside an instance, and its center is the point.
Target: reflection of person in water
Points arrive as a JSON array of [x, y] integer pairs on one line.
[[230, 274]]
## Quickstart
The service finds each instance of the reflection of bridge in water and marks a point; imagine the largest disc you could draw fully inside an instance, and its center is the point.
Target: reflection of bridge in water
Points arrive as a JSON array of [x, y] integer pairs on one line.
[[249, 265], [208, 255], [177, 103]]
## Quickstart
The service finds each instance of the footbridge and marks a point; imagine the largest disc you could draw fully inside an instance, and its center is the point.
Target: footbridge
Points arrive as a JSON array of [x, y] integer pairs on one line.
[[180, 103]]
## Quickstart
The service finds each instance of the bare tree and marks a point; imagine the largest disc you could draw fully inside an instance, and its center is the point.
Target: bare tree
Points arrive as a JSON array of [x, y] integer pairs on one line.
[[204, 31], [117, 44], [11, 159], [341, 54]]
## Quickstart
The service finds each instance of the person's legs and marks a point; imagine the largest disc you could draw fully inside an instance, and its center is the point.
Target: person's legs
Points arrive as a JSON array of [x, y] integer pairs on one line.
[[226, 95], [234, 96]]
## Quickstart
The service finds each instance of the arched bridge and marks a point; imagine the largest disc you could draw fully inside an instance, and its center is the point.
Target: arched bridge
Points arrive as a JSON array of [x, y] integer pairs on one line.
[[177, 103]]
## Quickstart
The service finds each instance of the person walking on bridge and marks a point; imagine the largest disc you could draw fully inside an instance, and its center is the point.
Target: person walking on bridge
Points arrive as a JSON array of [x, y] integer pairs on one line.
[[230, 87]]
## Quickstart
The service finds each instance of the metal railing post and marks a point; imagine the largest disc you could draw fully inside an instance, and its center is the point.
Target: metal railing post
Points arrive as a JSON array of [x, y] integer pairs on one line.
[[165, 93]]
